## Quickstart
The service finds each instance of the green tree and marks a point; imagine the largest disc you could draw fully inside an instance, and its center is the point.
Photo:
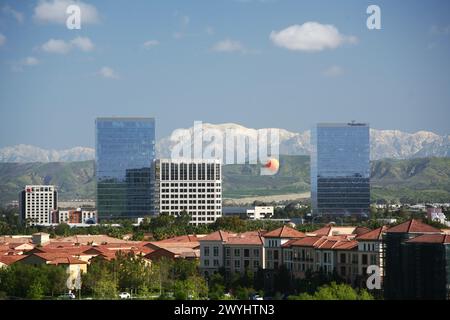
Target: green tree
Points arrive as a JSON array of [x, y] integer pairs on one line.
[[335, 291], [35, 290]]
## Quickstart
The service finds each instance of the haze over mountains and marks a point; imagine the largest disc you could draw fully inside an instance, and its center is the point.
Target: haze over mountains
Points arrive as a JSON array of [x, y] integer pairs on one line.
[[384, 144]]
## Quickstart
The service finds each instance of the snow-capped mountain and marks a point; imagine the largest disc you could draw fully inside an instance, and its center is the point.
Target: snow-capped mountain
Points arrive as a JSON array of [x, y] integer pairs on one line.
[[26, 153], [384, 144]]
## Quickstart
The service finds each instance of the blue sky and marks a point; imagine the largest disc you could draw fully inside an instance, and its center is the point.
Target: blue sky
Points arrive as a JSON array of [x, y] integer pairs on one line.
[[216, 61]]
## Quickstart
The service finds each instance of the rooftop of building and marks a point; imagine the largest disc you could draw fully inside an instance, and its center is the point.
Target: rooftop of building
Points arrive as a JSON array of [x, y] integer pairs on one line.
[[374, 235], [413, 226], [431, 238], [284, 232]]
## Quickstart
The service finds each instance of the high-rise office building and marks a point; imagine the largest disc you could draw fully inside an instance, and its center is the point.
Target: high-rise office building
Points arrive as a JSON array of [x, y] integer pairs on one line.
[[340, 168], [37, 203], [190, 186], [125, 151]]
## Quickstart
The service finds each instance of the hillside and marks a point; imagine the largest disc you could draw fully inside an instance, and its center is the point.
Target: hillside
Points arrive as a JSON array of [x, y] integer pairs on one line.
[[74, 179], [425, 179]]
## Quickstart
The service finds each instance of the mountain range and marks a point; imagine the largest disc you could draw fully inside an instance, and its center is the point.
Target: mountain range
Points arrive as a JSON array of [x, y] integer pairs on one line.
[[392, 144], [411, 180]]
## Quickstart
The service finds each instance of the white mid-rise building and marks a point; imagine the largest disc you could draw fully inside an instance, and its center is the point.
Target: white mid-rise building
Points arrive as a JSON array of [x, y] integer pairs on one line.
[[36, 204], [260, 212], [77, 216], [191, 186]]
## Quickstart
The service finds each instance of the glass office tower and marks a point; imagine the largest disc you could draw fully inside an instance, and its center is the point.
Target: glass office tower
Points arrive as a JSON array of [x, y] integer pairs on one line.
[[125, 151], [340, 168]]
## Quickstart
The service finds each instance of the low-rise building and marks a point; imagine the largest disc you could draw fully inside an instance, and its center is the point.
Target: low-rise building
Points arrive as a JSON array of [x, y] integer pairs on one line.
[[74, 216]]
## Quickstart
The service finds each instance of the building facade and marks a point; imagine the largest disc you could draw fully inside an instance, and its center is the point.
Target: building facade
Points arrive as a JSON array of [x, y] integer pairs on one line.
[[340, 169], [76, 216], [405, 260], [190, 186], [36, 204], [125, 151], [231, 252]]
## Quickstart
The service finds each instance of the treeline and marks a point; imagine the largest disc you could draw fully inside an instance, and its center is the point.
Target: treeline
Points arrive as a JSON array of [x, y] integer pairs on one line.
[[167, 279], [32, 282]]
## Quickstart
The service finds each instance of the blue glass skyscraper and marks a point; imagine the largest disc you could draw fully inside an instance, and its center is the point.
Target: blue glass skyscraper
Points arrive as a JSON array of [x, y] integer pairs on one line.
[[125, 151], [340, 168]]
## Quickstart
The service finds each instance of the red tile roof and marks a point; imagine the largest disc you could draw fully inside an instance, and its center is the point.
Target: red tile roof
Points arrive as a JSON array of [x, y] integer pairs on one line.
[[374, 235], [67, 260], [57, 258], [243, 239], [8, 260], [217, 236], [431, 238], [284, 232], [322, 231], [185, 238], [413, 226], [346, 245], [327, 244], [307, 242], [361, 230]]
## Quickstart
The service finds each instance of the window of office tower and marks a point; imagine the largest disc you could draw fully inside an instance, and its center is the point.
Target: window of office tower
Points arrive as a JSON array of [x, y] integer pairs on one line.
[[125, 150], [340, 168]]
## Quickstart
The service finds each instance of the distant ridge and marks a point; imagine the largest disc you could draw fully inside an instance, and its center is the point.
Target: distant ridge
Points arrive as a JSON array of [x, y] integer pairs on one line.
[[392, 144], [411, 180]]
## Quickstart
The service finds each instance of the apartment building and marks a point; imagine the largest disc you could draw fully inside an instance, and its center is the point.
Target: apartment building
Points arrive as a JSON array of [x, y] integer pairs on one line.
[[212, 252], [273, 242], [36, 204], [398, 255], [232, 252], [191, 186], [347, 251], [244, 252]]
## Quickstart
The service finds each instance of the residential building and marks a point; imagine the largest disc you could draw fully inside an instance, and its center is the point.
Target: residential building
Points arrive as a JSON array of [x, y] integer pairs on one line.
[[74, 267], [190, 186], [273, 242], [340, 169], [212, 255], [397, 259], [125, 151], [426, 268], [244, 252], [231, 252], [36, 204]]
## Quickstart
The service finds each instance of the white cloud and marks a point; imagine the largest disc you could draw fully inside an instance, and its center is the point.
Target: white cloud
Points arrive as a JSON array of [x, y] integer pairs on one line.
[[108, 73], [150, 44], [56, 46], [185, 20], [333, 71], [54, 11], [27, 62], [310, 37], [2, 39], [30, 61], [83, 43], [14, 13], [209, 30], [229, 45], [63, 47]]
